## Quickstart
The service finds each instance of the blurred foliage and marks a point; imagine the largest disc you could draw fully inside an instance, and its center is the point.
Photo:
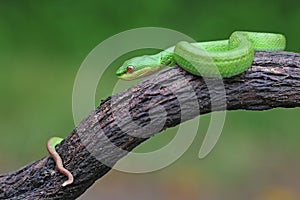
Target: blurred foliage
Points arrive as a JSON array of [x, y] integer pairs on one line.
[[43, 43]]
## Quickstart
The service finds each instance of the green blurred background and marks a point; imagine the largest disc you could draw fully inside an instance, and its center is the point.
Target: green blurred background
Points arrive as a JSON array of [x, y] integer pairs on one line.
[[42, 45]]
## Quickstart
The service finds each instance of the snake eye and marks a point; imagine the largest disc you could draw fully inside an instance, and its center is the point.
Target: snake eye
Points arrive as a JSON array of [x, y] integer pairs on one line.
[[130, 68]]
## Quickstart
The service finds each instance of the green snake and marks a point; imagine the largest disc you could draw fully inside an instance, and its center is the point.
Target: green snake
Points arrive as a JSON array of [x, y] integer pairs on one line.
[[223, 58]]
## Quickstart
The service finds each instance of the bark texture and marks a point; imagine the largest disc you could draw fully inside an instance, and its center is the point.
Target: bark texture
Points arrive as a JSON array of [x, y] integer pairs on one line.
[[126, 119]]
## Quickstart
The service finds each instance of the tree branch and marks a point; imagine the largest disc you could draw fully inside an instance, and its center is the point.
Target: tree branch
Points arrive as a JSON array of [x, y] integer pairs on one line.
[[272, 81]]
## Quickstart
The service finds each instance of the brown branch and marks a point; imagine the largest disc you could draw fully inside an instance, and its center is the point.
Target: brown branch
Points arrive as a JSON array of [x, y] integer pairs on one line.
[[272, 81]]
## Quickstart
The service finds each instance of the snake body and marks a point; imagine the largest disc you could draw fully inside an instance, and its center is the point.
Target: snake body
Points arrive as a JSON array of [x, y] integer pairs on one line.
[[223, 58]]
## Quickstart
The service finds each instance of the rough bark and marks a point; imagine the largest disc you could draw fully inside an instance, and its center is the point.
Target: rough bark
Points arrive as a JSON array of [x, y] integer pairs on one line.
[[272, 81]]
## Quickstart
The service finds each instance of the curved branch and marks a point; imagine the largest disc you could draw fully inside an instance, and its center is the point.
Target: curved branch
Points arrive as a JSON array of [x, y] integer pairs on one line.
[[272, 81]]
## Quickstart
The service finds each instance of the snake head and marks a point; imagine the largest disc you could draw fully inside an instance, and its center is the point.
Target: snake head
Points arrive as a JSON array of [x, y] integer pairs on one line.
[[139, 67]]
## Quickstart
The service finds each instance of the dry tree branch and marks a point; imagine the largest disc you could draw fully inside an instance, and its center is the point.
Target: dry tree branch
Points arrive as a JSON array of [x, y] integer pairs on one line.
[[272, 81]]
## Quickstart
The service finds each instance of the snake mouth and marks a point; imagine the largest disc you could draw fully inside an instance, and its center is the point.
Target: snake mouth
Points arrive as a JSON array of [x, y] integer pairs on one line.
[[135, 75], [146, 71]]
